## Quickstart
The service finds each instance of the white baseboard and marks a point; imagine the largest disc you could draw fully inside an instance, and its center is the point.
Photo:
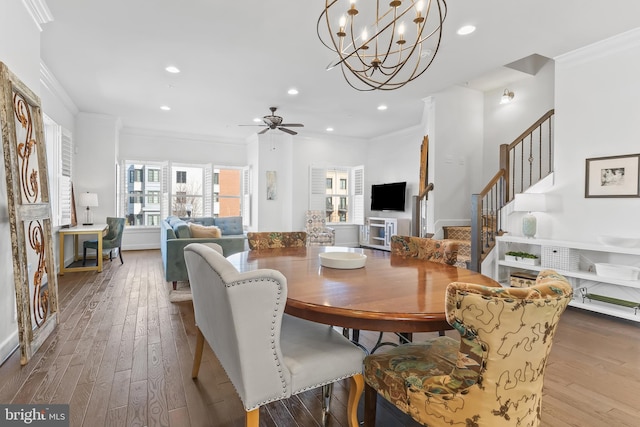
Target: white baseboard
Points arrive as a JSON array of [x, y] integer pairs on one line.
[[8, 346]]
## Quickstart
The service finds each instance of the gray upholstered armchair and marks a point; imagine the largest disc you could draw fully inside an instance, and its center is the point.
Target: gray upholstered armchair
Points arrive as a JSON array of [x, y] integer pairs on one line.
[[267, 355], [318, 234], [113, 240]]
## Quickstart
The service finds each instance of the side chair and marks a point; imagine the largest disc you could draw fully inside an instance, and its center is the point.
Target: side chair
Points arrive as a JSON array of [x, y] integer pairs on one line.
[[318, 234], [492, 376], [276, 239], [113, 240], [268, 356]]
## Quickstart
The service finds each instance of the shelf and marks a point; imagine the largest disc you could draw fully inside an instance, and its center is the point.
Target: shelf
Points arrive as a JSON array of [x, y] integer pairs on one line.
[[577, 274], [604, 308], [586, 246], [609, 295]]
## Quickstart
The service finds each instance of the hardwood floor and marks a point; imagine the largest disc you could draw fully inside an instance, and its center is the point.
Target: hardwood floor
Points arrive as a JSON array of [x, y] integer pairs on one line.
[[122, 355]]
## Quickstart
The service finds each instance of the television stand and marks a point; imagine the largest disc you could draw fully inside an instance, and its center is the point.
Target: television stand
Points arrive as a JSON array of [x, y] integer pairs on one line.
[[377, 232]]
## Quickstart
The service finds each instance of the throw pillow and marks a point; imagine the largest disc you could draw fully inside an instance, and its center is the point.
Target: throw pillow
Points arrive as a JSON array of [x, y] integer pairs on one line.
[[204, 231]]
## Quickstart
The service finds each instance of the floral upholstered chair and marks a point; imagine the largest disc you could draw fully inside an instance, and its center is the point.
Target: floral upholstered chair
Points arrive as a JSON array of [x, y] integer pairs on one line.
[[276, 239], [318, 234], [493, 376], [442, 251]]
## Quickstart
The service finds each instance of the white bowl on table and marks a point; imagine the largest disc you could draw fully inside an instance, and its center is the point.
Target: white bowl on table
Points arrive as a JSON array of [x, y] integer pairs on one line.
[[342, 260]]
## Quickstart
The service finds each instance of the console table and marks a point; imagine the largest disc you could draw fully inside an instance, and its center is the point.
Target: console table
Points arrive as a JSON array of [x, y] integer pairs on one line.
[[97, 229]]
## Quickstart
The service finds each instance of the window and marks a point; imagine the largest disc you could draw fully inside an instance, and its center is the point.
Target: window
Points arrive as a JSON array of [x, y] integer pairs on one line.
[[147, 193], [153, 197], [344, 204], [135, 175], [227, 192], [140, 199], [153, 175]]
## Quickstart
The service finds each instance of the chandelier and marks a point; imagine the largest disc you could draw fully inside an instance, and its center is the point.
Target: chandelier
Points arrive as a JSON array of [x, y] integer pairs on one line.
[[384, 47]]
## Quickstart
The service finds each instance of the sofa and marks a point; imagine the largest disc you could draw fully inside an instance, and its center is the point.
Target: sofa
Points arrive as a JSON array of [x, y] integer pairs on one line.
[[176, 233]]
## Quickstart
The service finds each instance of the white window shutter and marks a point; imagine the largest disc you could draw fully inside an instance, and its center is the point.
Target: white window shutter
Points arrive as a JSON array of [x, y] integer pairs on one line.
[[208, 190], [246, 196], [164, 179], [317, 188], [66, 176], [357, 181]]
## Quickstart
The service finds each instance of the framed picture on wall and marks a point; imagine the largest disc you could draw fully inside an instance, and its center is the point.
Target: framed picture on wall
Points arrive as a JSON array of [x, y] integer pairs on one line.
[[614, 176]]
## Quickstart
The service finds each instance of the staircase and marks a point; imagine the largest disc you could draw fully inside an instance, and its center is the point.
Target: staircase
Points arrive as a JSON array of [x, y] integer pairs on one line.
[[463, 235], [523, 163]]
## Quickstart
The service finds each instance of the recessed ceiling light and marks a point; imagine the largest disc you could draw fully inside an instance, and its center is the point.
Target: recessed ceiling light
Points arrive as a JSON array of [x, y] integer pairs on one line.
[[466, 29], [292, 91], [165, 108], [382, 107], [172, 69], [329, 129], [257, 120]]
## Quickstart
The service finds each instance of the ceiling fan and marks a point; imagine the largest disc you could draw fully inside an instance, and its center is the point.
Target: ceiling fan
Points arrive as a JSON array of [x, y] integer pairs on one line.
[[271, 121]]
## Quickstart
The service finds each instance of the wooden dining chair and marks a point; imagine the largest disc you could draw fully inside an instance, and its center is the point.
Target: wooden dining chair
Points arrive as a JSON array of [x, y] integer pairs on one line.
[[276, 239], [267, 355], [492, 376], [442, 251]]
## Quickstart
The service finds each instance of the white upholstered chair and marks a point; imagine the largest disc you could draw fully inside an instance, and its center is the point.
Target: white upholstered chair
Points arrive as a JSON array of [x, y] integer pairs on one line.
[[267, 355], [318, 234]]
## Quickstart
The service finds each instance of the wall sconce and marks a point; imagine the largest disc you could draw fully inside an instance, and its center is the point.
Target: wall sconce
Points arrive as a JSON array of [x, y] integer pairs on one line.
[[507, 97], [530, 202], [89, 200]]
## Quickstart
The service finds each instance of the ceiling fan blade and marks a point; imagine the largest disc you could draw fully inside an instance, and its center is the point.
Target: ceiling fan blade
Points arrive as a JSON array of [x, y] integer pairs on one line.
[[263, 131], [293, 125], [289, 131], [252, 125]]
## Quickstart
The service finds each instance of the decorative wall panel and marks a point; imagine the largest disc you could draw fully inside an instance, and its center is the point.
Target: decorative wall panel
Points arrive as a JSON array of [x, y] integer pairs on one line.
[[25, 162]]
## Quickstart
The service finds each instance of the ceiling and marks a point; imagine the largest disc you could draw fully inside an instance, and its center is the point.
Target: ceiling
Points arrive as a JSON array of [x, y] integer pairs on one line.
[[238, 58]]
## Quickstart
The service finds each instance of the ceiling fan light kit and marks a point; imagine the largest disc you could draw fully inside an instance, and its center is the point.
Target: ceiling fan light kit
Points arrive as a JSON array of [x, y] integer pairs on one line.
[[382, 47], [271, 121]]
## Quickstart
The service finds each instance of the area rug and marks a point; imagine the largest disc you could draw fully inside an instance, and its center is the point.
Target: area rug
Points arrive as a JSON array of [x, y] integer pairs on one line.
[[181, 294]]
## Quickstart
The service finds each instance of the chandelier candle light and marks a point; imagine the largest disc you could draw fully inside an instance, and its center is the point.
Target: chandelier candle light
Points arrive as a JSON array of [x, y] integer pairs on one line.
[[90, 200], [384, 47]]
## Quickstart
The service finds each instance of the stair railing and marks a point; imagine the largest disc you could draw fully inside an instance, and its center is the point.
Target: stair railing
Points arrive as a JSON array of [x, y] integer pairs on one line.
[[419, 222], [524, 162]]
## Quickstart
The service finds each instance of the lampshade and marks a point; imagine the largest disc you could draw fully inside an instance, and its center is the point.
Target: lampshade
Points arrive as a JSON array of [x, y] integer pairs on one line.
[[88, 199], [506, 97], [530, 202]]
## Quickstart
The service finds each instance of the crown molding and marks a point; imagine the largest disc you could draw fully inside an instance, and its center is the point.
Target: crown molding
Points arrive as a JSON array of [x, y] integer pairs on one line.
[[601, 49], [48, 80], [39, 12]]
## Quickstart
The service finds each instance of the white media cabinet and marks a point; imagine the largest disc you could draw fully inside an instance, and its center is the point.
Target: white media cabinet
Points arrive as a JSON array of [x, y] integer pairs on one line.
[[376, 232], [575, 261]]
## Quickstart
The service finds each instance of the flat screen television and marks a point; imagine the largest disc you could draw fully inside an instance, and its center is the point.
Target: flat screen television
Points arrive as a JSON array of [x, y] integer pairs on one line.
[[388, 197]]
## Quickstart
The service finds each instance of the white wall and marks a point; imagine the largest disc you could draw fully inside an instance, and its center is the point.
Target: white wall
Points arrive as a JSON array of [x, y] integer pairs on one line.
[[20, 52], [323, 150], [455, 150], [275, 153], [597, 111], [503, 123], [394, 158]]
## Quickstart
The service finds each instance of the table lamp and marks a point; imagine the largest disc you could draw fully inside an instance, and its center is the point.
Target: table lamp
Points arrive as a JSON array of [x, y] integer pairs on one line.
[[89, 200], [530, 202]]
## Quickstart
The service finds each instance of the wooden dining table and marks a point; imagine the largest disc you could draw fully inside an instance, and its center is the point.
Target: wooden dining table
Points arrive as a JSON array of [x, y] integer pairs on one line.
[[389, 294]]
